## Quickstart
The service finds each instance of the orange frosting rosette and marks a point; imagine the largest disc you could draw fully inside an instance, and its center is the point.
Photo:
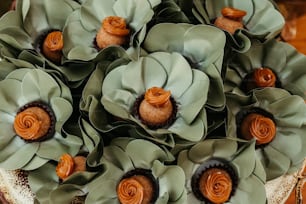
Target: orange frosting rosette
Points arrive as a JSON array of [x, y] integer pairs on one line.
[[156, 108], [67, 165], [231, 19], [137, 189], [264, 77], [53, 45], [257, 126], [216, 185], [32, 123], [114, 31]]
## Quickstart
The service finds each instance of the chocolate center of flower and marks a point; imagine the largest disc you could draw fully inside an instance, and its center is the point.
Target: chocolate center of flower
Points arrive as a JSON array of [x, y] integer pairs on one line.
[[137, 186], [34, 122], [231, 19], [257, 126], [68, 165], [260, 78], [156, 109], [53, 45], [215, 181], [113, 31], [216, 185]]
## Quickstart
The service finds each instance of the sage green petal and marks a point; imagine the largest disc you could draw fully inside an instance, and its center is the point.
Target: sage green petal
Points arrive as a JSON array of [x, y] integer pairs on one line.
[[5, 68], [10, 103], [58, 145], [35, 163], [194, 131], [42, 15], [171, 182], [291, 142], [118, 157], [195, 95], [16, 38], [10, 145], [104, 193], [94, 11], [187, 164], [250, 190], [178, 70], [66, 193], [275, 164], [10, 19], [38, 85], [14, 161], [143, 153], [202, 151], [62, 110], [78, 41], [244, 160], [7, 132]]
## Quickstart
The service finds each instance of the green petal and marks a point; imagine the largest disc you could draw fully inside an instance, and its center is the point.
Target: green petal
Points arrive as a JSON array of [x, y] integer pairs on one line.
[[58, 145], [193, 131], [274, 162], [52, 15], [78, 41], [244, 160], [11, 98], [26, 152], [35, 163], [118, 157], [38, 85], [250, 190], [146, 153], [66, 193], [195, 97], [62, 110]]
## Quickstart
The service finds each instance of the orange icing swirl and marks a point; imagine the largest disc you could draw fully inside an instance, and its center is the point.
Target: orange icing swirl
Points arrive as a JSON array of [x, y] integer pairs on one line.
[[53, 45], [65, 166], [257, 126], [115, 25], [264, 77], [157, 96], [113, 31], [233, 13], [33, 123], [216, 185], [156, 108]]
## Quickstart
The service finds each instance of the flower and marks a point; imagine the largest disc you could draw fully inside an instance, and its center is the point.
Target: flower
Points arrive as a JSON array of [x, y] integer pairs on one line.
[[288, 70], [127, 158], [21, 91], [124, 86], [82, 26], [285, 152], [27, 31], [77, 182], [236, 158], [202, 45], [262, 21]]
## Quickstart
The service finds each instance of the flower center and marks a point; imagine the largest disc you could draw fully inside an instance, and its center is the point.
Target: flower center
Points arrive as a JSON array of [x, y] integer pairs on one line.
[[156, 109], [216, 185], [34, 122], [137, 187], [68, 165], [231, 19], [264, 77], [113, 31], [53, 45], [257, 126]]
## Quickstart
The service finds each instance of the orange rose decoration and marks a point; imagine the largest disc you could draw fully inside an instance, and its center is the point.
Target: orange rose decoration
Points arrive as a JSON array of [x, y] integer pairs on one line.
[[264, 77], [156, 108], [114, 31], [136, 189], [257, 126], [216, 185], [231, 19], [67, 165], [32, 124], [53, 45]]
